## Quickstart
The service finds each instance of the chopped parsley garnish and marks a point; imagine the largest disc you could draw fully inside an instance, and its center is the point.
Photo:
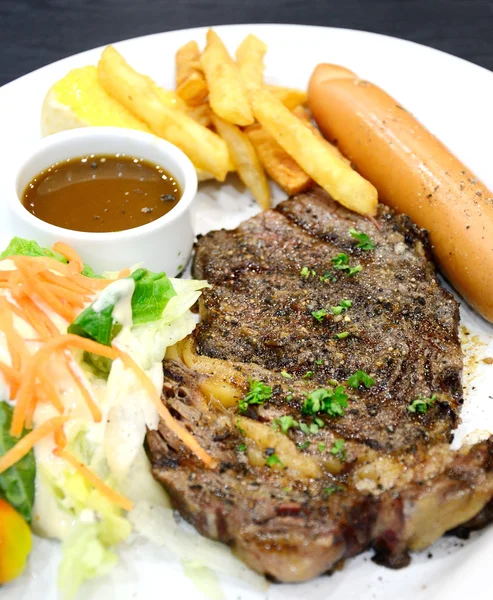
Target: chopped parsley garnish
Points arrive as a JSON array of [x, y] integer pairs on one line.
[[341, 263], [421, 405], [327, 277], [305, 272], [364, 242], [308, 375], [321, 447], [240, 429], [304, 428], [319, 362], [341, 307], [358, 378], [319, 314], [331, 489], [241, 447], [272, 460], [338, 450], [314, 428], [289, 397], [303, 446], [258, 394], [342, 335], [319, 422], [284, 423], [330, 401], [286, 375]]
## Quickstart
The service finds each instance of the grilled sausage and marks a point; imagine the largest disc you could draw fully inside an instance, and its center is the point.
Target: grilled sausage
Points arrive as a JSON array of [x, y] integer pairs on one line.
[[414, 173]]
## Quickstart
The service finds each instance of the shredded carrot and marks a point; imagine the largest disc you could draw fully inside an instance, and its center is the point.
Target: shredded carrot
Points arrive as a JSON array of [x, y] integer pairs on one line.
[[17, 348], [12, 377], [65, 295], [69, 339], [90, 282], [66, 283], [83, 387], [28, 441], [176, 427], [41, 263], [24, 395], [60, 439], [35, 286], [75, 261], [95, 481], [36, 317], [124, 273]]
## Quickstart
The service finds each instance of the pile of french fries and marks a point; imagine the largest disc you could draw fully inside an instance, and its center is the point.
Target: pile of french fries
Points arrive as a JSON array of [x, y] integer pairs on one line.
[[225, 118]]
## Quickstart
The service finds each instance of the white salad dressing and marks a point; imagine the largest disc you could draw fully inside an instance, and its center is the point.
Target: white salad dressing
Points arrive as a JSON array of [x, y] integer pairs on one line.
[[119, 293]]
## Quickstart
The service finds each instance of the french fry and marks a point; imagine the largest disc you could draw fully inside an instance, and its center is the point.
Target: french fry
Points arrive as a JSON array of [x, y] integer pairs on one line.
[[205, 149], [227, 95], [190, 81], [279, 165], [309, 151], [245, 160], [201, 113], [304, 115], [250, 59], [169, 98], [290, 97]]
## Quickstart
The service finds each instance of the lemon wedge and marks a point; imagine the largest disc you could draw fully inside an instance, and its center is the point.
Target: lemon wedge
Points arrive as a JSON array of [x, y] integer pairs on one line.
[[78, 100]]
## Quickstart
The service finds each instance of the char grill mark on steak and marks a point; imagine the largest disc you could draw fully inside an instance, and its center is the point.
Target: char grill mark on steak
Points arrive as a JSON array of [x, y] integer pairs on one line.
[[400, 487]]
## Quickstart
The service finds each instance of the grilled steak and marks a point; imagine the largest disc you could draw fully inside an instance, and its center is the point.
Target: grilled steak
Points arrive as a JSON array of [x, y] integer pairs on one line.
[[300, 487]]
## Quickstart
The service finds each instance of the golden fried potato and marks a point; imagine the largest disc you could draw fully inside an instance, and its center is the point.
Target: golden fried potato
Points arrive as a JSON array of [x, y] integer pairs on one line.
[[250, 59], [290, 97], [304, 115], [201, 113], [276, 161], [205, 149], [311, 153], [227, 95], [245, 160], [190, 81]]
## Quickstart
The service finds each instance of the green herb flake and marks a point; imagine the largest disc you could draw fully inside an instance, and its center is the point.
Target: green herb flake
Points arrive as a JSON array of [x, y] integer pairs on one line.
[[321, 447], [331, 489], [272, 460], [17, 482], [305, 272], [319, 314], [319, 362], [364, 242], [284, 423], [258, 394], [358, 378], [286, 375], [308, 375], [241, 447], [319, 422], [421, 404], [341, 336], [314, 428], [341, 307], [304, 428], [338, 450], [341, 263], [289, 397], [303, 446], [330, 401], [240, 429]]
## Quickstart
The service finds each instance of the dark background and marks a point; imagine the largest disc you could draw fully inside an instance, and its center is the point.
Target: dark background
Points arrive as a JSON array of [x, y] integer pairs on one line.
[[34, 33]]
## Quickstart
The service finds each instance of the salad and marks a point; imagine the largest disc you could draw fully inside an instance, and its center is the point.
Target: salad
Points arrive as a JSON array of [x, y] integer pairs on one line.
[[80, 383]]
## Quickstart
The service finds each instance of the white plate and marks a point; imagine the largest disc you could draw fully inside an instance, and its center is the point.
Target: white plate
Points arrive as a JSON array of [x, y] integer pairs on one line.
[[450, 96]]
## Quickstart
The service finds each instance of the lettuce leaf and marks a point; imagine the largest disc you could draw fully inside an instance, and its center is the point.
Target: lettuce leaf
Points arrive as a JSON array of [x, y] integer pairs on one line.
[[21, 247], [84, 556], [151, 294], [17, 482]]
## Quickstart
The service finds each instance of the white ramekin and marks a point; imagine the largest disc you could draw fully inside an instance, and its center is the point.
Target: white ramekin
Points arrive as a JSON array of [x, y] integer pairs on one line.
[[163, 245]]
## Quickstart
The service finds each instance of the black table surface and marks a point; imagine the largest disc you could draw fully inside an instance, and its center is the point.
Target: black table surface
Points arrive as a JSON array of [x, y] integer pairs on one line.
[[34, 33]]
